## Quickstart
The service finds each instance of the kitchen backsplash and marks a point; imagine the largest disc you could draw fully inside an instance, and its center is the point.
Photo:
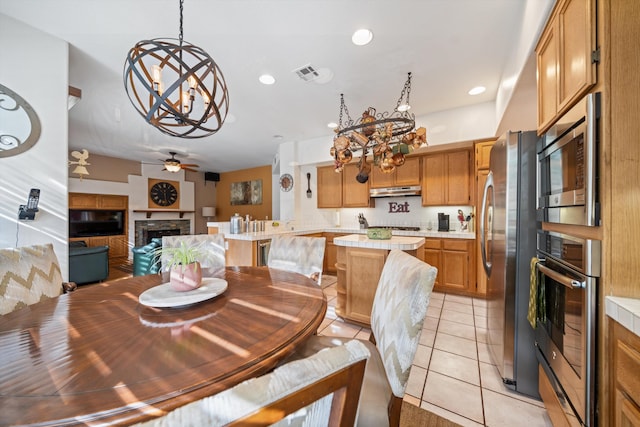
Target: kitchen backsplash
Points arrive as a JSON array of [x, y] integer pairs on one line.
[[388, 211]]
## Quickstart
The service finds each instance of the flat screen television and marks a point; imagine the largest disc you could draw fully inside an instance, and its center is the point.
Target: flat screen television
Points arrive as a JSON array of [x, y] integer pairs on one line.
[[93, 222]]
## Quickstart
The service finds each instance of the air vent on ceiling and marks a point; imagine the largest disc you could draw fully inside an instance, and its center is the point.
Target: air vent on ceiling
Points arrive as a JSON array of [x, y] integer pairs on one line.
[[307, 73]]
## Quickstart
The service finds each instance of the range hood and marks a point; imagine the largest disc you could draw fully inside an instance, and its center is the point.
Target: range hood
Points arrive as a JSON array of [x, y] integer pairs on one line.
[[413, 190]]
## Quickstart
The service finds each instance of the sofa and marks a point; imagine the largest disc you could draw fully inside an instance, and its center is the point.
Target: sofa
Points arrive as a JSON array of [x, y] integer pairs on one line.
[[88, 264], [145, 258]]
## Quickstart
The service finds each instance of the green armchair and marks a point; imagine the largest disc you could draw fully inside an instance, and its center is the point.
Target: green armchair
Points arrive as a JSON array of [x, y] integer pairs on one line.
[[145, 260], [88, 264]]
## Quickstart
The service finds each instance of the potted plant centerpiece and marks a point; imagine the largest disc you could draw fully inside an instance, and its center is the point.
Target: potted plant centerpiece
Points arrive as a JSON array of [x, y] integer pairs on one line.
[[182, 262]]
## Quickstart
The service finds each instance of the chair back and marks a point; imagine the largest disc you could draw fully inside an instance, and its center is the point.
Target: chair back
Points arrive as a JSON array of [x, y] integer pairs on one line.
[[327, 385], [398, 312], [28, 274], [211, 246], [304, 255]]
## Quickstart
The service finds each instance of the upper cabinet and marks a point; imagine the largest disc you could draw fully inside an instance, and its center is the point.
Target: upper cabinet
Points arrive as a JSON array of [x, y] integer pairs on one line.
[[338, 190], [566, 56], [405, 175], [446, 178], [329, 188], [97, 201]]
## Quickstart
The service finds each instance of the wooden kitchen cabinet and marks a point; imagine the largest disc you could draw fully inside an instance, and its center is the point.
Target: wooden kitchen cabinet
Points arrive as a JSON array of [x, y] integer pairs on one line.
[[330, 252], [455, 261], [329, 187], [446, 178], [354, 193], [483, 157], [337, 190], [625, 376], [564, 52], [405, 175], [483, 154]]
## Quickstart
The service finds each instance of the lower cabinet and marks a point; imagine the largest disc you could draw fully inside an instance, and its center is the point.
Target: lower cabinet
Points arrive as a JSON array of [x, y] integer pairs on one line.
[[625, 376], [241, 252], [358, 274], [330, 253], [455, 261]]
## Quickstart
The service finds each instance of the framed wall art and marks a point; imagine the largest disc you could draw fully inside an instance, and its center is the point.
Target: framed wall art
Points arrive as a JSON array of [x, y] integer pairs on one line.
[[246, 192]]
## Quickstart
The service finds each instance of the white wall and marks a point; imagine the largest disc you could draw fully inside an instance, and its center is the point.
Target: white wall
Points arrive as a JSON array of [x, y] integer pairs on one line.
[[35, 65], [536, 13]]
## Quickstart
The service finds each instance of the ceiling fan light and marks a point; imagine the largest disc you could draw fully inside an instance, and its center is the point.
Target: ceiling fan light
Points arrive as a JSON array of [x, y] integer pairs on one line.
[[173, 168]]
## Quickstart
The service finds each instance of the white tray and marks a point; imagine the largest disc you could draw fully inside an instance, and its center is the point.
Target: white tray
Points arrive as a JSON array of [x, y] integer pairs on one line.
[[164, 295]]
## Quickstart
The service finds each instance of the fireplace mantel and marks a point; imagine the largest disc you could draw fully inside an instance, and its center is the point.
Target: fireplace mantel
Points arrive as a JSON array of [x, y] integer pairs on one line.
[[149, 212]]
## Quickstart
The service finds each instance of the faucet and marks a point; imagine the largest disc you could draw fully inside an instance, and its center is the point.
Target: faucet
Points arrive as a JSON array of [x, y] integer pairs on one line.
[[363, 221]]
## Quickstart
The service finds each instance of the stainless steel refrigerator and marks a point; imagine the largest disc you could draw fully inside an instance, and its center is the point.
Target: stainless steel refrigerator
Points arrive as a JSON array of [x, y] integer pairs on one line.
[[508, 242]]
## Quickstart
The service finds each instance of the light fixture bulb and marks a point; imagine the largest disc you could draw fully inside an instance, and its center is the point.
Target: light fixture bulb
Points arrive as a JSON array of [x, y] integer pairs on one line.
[[477, 90], [362, 37], [173, 168], [267, 79], [404, 107], [332, 125]]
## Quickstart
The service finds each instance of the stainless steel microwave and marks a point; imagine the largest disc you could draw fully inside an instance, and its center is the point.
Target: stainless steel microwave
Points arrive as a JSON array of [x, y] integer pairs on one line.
[[568, 176]]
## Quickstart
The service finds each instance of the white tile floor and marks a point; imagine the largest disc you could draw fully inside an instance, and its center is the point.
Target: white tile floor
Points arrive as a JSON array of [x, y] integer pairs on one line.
[[452, 374]]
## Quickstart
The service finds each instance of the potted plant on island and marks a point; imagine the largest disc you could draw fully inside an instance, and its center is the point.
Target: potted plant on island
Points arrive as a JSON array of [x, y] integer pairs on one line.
[[183, 265]]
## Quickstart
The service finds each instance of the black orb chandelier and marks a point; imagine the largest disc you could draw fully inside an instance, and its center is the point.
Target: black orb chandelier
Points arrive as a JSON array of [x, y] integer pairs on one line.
[[176, 86], [389, 136]]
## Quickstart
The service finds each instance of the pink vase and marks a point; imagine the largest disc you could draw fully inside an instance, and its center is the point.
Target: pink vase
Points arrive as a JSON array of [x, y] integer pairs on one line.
[[186, 277]]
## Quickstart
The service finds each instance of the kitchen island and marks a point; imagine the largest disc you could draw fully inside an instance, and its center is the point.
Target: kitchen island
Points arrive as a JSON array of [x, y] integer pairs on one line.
[[360, 263]]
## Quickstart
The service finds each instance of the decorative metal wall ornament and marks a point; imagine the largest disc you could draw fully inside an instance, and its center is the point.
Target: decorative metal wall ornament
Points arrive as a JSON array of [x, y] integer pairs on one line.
[[19, 124], [195, 102], [81, 168], [388, 135]]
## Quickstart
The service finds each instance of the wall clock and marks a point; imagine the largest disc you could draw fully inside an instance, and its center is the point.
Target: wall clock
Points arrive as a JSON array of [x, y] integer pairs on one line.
[[163, 193], [286, 182]]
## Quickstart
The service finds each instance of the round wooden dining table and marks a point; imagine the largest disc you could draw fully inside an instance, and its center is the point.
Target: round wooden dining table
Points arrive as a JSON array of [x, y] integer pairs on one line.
[[96, 356]]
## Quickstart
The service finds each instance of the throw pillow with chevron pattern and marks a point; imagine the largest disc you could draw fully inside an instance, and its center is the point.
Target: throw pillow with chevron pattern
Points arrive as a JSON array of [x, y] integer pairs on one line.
[[28, 274]]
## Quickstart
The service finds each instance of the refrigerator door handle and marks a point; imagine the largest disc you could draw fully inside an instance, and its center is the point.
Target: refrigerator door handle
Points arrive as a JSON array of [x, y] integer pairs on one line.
[[483, 246]]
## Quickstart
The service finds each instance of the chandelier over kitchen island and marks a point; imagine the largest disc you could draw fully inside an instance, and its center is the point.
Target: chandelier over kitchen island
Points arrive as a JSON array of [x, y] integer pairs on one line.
[[389, 136]]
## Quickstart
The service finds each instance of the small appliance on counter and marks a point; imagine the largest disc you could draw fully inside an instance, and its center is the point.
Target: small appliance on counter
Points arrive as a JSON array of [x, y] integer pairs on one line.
[[443, 222]]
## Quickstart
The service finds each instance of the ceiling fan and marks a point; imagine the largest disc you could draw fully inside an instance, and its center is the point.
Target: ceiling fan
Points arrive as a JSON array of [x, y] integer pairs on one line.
[[173, 165]]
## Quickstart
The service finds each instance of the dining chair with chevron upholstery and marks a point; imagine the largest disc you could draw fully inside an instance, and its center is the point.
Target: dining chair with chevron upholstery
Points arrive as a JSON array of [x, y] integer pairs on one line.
[[321, 390], [300, 254], [397, 316], [29, 274], [211, 247]]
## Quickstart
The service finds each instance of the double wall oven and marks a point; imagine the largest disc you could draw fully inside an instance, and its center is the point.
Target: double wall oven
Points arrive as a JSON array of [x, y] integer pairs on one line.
[[568, 269]]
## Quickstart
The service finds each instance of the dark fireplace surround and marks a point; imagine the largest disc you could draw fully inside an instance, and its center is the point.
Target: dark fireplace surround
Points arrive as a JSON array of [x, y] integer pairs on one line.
[[147, 230]]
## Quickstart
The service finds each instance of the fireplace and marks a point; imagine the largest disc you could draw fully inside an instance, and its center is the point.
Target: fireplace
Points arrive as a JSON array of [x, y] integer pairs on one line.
[[146, 230]]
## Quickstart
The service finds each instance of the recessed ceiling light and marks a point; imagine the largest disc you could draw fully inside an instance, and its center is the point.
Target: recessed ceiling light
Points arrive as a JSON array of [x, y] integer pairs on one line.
[[332, 125], [267, 79], [477, 90], [362, 37]]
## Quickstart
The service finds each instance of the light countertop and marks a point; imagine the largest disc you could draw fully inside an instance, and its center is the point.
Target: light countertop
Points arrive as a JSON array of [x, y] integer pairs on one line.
[[270, 232], [625, 311], [405, 243]]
